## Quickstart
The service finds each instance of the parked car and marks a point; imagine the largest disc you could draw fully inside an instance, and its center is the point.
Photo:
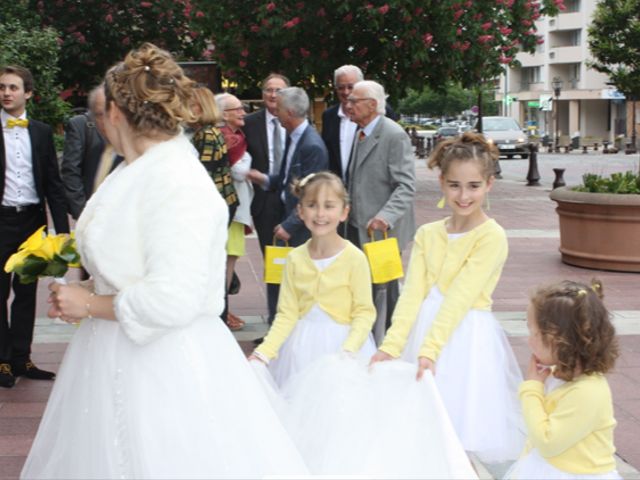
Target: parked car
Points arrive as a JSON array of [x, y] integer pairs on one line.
[[443, 133], [507, 135]]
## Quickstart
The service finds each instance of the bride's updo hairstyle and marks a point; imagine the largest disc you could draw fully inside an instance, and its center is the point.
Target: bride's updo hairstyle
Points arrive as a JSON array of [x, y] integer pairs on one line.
[[465, 148], [151, 89]]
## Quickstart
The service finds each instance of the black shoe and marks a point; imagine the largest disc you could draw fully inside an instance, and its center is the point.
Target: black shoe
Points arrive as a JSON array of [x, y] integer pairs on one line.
[[258, 341], [234, 286], [7, 379], [29, 370]]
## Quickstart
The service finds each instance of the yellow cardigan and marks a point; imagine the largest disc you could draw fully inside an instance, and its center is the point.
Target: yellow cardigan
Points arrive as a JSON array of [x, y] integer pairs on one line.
[[342, 290], [465, 269], [572, 426]]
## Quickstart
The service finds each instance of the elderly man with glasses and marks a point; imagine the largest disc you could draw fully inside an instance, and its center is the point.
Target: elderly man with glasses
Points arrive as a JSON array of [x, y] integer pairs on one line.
[[381, 183]]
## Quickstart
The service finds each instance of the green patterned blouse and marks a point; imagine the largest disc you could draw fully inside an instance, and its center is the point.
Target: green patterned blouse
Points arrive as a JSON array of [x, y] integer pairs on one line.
[[212, 150]]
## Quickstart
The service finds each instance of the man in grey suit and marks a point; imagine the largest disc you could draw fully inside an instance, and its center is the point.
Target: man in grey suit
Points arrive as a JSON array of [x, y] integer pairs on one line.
[[381, 182]]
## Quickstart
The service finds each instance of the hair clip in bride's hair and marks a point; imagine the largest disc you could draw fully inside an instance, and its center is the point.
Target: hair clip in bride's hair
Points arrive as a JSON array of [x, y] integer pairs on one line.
[[145, 102], [147, 68], [171, 81], [581, 293]]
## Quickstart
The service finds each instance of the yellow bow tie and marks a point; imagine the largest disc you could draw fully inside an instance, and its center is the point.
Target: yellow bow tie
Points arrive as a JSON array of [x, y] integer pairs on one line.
[[24, 123]]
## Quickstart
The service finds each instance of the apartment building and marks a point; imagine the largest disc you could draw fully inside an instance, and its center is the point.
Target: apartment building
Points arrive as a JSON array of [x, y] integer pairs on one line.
[[586, 105]]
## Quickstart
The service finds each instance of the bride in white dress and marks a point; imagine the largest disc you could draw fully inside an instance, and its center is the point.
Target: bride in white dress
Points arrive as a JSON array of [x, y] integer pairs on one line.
[[153, 385]]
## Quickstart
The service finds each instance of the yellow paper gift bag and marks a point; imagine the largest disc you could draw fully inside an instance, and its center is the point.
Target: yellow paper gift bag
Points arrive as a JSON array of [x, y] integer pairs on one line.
[[274, 259], [384, 259]]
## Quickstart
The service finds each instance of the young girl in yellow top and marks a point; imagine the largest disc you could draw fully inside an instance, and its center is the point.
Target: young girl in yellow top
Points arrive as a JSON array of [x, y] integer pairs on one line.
[[325, 302], [443, 319], [566, 400]]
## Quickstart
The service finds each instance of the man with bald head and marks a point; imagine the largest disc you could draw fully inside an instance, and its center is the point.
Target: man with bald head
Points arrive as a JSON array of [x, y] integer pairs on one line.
[[84, 145]]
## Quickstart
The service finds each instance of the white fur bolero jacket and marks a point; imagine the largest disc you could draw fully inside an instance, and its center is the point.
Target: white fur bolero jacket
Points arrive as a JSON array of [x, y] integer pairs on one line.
[[154, 235]]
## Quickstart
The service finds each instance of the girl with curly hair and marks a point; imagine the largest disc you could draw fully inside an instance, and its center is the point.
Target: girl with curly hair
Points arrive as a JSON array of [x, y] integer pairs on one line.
[[566, 400]]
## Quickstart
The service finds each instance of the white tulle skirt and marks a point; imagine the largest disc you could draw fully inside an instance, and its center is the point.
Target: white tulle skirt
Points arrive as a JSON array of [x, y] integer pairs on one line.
[[533, 466], [315, 335], [478, 378], [352, 421], [184, 406]]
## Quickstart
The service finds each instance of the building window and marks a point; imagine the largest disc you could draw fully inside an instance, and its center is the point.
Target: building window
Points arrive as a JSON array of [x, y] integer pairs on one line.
[[574, 75], [572, 6], [576, 36], [530, 75]]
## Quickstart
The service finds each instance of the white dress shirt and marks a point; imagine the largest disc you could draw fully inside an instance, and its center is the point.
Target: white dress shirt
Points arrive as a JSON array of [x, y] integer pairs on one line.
[[20, 185], [283, 136], [347, 134]]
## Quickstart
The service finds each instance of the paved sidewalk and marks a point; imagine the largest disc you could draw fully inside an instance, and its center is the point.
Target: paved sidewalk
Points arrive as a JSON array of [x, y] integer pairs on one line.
[[531, 223]]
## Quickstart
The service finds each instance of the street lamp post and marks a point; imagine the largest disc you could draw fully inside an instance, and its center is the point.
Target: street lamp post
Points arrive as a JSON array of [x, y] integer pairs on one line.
[[557, 86]]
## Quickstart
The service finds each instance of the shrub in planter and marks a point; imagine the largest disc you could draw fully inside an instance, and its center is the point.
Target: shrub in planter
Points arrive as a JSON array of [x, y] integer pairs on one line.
[[600, 222]]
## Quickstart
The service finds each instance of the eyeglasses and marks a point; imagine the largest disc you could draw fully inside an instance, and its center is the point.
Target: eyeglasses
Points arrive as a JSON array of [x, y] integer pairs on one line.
[[234, 109], [271, 91], [356, 100]]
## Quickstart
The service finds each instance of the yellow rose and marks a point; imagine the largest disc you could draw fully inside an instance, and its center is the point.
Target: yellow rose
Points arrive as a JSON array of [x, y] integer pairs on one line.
[[34, 242], [15, 260]]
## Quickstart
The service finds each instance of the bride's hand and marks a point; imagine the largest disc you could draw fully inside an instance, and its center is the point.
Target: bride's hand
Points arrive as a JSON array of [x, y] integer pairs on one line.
[[380, 356], [425, 363], [69, 302]]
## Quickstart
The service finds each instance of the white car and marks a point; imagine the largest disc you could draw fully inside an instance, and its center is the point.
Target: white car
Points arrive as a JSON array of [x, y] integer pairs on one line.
[[507, 135]]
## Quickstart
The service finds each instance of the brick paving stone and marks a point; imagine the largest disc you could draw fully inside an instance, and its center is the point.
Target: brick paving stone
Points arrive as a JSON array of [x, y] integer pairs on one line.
[[22, 409], [10, 467]]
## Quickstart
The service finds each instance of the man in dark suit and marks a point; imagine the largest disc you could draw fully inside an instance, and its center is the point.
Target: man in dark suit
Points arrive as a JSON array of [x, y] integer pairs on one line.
[[83, 147], [29, 176], [305, 153], [265, 143], [338, 130]]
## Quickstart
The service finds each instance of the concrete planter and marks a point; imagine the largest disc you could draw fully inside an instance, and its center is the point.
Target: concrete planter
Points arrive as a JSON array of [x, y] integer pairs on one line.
[[599, 230]]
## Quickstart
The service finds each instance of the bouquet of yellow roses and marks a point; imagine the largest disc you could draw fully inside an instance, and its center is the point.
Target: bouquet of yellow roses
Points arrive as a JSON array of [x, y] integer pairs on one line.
[[43, 256]]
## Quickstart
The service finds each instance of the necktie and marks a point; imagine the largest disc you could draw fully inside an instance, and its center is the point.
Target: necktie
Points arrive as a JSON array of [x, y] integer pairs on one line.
[[361, 135], [277, 146], [18, 122]]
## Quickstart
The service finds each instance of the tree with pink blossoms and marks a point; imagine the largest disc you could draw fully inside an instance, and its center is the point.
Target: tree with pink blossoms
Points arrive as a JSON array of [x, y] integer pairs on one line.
[[402, 43], [489, 33], [398, 42], [94, 34]]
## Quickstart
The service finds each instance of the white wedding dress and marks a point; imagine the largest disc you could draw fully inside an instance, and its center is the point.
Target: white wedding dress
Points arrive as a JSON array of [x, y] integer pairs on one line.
[[352, 421], [164, 391]]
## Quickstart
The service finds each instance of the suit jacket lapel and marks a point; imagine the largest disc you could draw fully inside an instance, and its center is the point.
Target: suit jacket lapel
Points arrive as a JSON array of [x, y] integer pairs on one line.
[[262, 135], [3, 164], [366, 146], [33, 138]]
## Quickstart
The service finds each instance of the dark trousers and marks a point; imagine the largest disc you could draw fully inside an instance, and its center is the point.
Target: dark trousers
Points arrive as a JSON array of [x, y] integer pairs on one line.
[[270, 216], [385, 296], [16, 336]]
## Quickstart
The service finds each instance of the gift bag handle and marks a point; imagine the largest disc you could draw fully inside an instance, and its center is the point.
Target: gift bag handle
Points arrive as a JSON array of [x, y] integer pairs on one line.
[[371, 234], [286, 242]]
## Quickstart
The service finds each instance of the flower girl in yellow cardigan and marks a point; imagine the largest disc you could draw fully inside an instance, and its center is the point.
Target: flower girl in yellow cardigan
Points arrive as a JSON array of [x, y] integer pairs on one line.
[[325, 304], [566, 400], [443, 319]]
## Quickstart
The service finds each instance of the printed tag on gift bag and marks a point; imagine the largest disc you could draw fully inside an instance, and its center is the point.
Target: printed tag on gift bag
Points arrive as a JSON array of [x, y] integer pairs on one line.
[[274, 259], [384, 259]]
